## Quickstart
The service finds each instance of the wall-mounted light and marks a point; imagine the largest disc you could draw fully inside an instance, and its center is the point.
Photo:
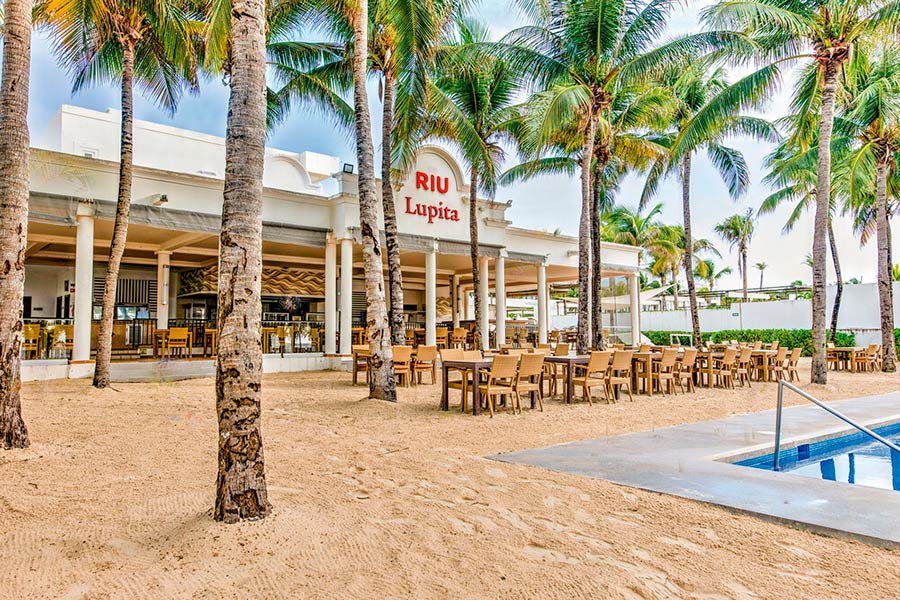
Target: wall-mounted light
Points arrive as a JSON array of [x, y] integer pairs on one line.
[[165, 290], [348, 168]]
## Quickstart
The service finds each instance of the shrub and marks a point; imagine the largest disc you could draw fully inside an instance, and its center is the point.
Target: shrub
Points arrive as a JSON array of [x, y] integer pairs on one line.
[[789, 338]]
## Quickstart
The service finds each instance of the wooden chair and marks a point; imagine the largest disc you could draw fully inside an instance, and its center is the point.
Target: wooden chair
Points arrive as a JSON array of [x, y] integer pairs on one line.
[[31, 341], [723, 368], [178, 340], [665, 370], [426, 362], [744, 366], [685, 369], [757, 345], [793, 359], [553, 372], [868, 360], [528, 379], [620, 373], [499, 380], [460, 384], [458, 338], [778, 364], [832, 358], [360, 361], [315, 339], [403, 364], [645, 348], [594, 374], [440, 337], [774, 345]]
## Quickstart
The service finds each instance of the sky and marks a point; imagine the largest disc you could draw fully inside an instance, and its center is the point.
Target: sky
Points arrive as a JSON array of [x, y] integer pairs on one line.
[[546, 203]]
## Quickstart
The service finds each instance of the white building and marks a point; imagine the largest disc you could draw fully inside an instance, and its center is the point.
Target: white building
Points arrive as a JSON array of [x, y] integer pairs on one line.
[[312, 279]]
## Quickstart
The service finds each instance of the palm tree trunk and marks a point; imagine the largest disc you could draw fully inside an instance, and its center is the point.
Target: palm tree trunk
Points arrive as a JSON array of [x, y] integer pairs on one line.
[[391, 233], [473, 252], [819, 371], [14, 151], [761, 274], [689, 248], [839, 292], [241, 482], [120, 227], [885, 284], [744, 270], [596, 267], [584, 240], [675, 287], [381, 359]]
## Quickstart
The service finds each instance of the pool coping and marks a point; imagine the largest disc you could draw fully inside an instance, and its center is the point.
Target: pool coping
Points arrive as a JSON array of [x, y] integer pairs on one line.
[[694, 461]]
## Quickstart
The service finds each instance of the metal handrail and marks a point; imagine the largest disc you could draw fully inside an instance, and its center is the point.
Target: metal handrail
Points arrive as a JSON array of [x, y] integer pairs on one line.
[[784, 384]]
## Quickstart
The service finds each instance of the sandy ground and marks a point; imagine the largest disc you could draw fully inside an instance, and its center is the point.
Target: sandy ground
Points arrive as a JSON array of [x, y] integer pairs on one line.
[[374, 500]]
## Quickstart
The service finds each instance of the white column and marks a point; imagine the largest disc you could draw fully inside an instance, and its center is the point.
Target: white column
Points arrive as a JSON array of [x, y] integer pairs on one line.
[[485, 316], [542, 303], [430, 297], [330, 295], [454, 299], [162, 289], [500, 293], [84, 282], [346, 297], [635, 297]]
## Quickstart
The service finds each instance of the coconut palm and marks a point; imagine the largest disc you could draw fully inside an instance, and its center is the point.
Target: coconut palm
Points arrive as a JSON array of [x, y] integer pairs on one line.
[[823, 33], [707, 270], [241, 483], [581, 52], [695, 85], [143, 42], [873, 107], [761, 267], [737, 231], [14, 150]]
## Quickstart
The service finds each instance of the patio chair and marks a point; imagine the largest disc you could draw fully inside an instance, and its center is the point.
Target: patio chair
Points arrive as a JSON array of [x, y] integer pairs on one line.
[[458, 338], [684, 369], [744, 366], [31, 341], [426, 362], [360, 361], [531, 367], [757, 345], [832, 357], [178, 340], [868, 360], [778, 366], [723, 368], [645, 348], [403, 363], [594, 374], [793, 359], [440, 337], [460, 384], [620, 373], [554, 372], [499, 380], [665, 370], [774, 345]]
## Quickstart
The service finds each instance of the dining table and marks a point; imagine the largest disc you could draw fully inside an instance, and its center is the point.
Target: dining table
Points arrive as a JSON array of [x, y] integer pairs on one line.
[[465, 367], [569, 361], [762, 359], [847, 354], [646, 374], [708, 357]]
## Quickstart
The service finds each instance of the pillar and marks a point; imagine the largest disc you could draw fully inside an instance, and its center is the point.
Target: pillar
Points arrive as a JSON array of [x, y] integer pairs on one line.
[[162, 289], [346, 297], [484, 317], [542, 303], [634, 295], [84, 282], [330, 296], [430, 297], [500, 294], [454, 299]]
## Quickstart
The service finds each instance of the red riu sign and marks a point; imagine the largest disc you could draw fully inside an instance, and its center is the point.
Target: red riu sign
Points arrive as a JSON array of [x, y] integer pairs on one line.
[[432, 183]]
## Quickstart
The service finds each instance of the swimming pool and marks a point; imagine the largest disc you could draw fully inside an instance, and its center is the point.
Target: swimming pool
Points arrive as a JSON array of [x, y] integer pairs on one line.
[[855, 459]]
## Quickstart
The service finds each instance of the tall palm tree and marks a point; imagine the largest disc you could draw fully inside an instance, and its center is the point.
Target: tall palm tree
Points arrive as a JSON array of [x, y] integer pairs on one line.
[[14, 150], [695, 85], [873, 107], [582, 51], [737, 231], [707, 270], [147, 42], [471, 101], [824, 33], [761, 267], [241, 483], [382, 385]]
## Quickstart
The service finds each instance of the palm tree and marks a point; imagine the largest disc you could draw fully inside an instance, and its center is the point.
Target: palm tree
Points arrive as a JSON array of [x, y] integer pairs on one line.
[[471, 101], [873, 107], [695, 85], [825, 33], [761, 267], [706, 270], [625, 226], [14, 190], [582, 52], [737, 231], [147, 42], [241, 483], [382, 385]]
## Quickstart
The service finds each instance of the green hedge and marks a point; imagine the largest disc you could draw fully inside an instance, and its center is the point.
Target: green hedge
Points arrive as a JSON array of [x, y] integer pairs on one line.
[[789, 338]]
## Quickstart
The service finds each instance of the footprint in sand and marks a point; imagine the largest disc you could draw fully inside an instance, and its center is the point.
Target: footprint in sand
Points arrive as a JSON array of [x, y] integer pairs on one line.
[[535, 551], [682, 543], [495, 473]]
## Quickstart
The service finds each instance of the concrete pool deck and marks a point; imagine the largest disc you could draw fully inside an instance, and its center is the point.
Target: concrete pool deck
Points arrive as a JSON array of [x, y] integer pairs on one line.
[[693, 461]]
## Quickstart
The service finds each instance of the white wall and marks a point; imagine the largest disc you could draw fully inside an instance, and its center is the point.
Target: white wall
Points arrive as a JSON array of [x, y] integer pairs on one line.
[[44, 283]]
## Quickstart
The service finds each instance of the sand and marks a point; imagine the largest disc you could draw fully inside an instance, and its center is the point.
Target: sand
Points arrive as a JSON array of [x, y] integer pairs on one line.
[[373, 500]]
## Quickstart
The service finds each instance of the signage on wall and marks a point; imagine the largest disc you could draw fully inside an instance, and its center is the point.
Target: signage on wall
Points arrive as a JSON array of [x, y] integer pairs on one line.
[[431, 183]]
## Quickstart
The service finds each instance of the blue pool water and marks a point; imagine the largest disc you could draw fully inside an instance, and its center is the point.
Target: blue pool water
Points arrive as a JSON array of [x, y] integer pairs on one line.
[[855, 458]]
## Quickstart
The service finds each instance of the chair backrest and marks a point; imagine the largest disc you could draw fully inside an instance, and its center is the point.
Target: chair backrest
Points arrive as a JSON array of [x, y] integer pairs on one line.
[[599, 361], [562, 349], [618, 346], [426, 353], [781, 355], [440, 332], [531, 365], [472, 355], [505, 366], [645, 348], [360, 348], [746, 353], [774, 345], [452, 354], [544, 347], [526, 345], [505, 348], [689, 358], [873, 350], [795, 355], [518, 351], [622, 360], [669, 358], [31, 332], [730, 357], [402, 354], [178, 334], [757, 345]]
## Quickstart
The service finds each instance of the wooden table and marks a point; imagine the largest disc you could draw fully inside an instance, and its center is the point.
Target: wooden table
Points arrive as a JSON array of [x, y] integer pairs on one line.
[[848, 352], [709, 356], [465, 366], [209, 336], [763, 356], [159, 342], [569, 362]]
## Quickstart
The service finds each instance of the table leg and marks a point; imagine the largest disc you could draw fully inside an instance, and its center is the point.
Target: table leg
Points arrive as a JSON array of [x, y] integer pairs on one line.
[[445, 403], [648, 376], [709, 372], [853, 361], [570, 383], [540, 379], [476, 392]]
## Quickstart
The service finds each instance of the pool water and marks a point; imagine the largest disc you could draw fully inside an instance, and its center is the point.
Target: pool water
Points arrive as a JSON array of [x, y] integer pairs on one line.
[[855, 459]]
